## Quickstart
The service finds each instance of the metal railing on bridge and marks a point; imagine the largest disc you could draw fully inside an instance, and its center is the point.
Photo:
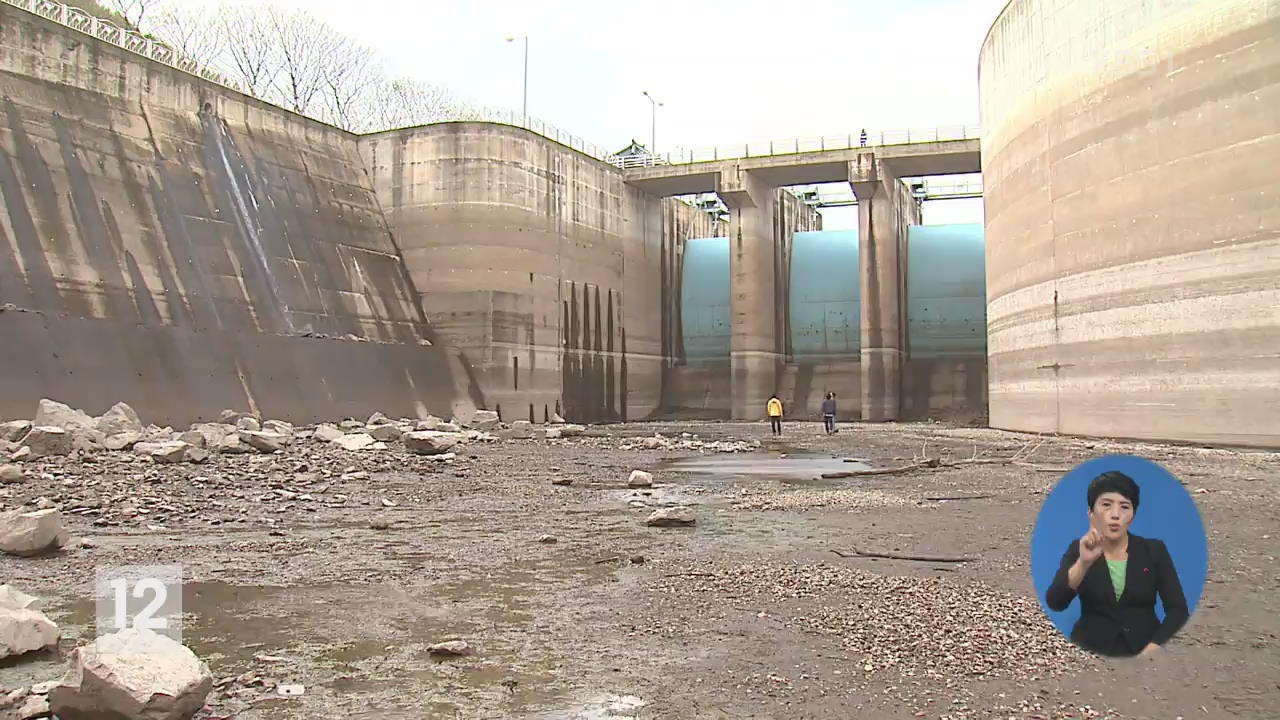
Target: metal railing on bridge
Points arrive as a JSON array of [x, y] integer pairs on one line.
[[800, 145], [107, 31]]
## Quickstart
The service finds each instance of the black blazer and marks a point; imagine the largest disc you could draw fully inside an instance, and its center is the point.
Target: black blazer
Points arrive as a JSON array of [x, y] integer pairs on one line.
[[1122, 627]]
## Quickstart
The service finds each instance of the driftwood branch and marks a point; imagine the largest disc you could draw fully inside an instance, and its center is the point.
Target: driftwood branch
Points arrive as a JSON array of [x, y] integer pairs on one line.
[[894, 556]]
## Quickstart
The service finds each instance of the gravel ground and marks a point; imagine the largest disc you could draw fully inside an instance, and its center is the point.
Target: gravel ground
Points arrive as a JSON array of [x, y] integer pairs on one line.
[[338, 570]]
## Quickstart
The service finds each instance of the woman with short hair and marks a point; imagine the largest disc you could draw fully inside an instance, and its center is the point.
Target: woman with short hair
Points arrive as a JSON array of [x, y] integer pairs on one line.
[[1118, 594]]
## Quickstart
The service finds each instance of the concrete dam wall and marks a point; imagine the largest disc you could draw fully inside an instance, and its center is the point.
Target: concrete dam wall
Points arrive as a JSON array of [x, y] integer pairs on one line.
[[538, 263], [186, 248], [1133, 230], [180, 246]]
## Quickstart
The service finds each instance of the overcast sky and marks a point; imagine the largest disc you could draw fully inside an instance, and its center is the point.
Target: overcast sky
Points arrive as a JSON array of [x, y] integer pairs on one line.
[[726, 71]]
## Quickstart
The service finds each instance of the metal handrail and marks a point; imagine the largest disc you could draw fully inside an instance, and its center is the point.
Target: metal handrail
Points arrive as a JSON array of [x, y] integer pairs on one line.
[[107, 31], [794, 146]]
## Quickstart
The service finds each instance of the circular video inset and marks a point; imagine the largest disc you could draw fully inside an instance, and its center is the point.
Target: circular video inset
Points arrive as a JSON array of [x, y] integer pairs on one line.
[[1119, 556]]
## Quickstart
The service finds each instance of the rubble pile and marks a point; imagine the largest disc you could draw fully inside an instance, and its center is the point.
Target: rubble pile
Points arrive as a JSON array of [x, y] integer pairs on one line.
[[689, 441]]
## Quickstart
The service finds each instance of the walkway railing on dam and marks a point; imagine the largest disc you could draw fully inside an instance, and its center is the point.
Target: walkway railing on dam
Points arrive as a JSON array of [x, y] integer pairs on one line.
[[107, 31], [800, 145]]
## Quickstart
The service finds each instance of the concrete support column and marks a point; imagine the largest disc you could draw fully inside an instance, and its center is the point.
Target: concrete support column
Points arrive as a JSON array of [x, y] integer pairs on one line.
[[880, 251], [755, 353]]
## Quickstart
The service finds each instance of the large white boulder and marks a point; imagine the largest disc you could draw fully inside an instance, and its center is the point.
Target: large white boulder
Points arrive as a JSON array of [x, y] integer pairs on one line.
[[119, 419], [170, 451], [264, 441], [31, 533], [133, 673], [46, 440], [50, 413], [355, 441], [430, 442], [23, 628], [14, 430], [484, 420], [327, 432]]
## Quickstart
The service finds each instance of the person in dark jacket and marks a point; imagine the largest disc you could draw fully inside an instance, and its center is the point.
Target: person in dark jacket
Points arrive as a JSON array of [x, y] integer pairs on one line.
[[1117, 576], [829, 413]]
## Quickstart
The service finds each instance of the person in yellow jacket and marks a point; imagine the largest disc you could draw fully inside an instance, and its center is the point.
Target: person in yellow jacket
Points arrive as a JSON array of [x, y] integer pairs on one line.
[[774, 408]]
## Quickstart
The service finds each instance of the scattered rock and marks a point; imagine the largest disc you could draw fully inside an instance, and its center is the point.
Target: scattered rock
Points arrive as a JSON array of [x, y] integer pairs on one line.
[[264, 441], [132, 673], [46, 440], [637, 559], [561, 481], [232, 445], [50, 413], [450, 647], [23, 630], [485, 420], [169, 451], [119, 419], [248, 423], [327, 432], [31, 533], [547, 539], [14, 599], [667, 517], [640, 478], [430, 442], [213, 433], [386, 432], [553, 433], [231, 417], [449, 427], [572, 430], [279, 427], [14, 430], [23, 453], [351, 425], [88, 441], [11, 474], [654, 443], [127, 440], [430, 422], [45, 503], [36, 706], [380, 523], [355, 441], [378, 419], [555, 418]]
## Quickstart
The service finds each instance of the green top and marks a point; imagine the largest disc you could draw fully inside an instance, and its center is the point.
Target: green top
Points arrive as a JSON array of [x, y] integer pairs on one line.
[[1117, 568]]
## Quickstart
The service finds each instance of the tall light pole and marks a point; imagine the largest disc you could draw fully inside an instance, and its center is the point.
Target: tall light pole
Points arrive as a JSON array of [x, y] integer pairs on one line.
[[525, 108], [653, 123]]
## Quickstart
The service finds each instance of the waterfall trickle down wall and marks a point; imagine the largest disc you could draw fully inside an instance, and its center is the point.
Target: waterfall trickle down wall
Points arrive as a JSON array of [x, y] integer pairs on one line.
[[177, 245]]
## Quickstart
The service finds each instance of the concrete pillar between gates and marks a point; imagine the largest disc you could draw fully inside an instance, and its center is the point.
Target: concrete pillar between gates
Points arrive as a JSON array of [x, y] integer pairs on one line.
[[755, 351], [879, 260]]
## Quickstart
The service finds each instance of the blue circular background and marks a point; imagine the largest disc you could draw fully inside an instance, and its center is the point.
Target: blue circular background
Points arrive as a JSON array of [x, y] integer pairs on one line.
[[1166, 512]]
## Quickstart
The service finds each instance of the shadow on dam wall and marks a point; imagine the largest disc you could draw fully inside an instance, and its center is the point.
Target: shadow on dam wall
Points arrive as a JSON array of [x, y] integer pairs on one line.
[[187, 258]]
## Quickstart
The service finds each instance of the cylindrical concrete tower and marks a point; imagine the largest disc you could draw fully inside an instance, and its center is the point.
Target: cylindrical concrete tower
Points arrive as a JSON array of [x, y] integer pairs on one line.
[[1131, 168]]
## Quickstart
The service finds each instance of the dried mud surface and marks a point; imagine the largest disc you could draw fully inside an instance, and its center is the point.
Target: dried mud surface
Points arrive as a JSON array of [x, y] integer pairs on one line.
[[747, 614]]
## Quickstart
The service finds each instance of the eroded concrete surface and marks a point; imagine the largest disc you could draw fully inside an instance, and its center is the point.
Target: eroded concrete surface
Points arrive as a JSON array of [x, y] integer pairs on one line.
[[747, 614]]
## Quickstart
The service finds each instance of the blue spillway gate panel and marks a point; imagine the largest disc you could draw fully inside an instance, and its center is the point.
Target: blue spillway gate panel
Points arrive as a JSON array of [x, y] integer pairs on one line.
[[825, 308], [704, 299], [946, 291]]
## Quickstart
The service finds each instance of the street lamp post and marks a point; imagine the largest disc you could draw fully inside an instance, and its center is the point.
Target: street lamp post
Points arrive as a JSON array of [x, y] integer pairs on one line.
[[525, 106], [653, 123]]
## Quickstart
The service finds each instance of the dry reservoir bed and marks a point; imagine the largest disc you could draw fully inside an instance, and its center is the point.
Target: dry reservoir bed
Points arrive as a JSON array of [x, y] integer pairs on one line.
[[300, 569]]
